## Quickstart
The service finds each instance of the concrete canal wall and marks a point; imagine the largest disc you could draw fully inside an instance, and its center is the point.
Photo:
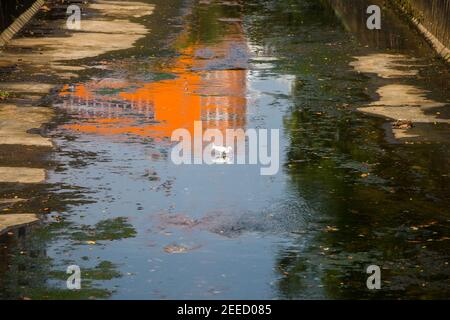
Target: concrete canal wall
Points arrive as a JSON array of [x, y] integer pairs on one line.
[[14, 14], [432, 19]]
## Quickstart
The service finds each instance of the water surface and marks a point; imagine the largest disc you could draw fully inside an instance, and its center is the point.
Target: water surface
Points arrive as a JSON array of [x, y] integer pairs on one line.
[[349, 193]]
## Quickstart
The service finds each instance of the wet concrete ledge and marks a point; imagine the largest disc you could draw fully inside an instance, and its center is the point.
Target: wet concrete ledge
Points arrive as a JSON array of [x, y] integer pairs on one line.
[[20, 22], [9, 222], [23, 112]]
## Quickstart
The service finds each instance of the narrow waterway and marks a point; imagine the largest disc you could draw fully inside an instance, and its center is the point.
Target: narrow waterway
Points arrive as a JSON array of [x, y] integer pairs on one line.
[[351, 190]]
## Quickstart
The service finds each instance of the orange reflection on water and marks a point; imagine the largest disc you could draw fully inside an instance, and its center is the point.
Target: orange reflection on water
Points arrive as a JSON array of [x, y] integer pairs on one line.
[[156, 109]]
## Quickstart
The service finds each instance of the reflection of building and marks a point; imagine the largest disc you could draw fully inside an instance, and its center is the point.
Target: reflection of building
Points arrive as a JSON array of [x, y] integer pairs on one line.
[[209, 89], [226, 110], [97, 108]]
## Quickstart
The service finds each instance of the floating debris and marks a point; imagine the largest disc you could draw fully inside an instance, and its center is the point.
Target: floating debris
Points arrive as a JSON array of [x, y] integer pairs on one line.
[[179, 248], [402, 124]]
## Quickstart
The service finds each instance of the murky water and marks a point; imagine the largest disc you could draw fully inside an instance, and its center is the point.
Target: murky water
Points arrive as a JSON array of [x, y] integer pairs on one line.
[[350, 192]]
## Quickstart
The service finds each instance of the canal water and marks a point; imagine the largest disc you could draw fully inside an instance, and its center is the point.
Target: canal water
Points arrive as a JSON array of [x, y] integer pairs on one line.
[[350, 191]]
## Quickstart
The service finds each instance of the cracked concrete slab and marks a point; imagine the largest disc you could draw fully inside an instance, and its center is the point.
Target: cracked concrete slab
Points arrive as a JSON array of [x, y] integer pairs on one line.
[[12, 221], [110, 31], [123, 9], [26, 87], [400, 102], [396, 100], [15, 122], [385, 66], [21, 175]]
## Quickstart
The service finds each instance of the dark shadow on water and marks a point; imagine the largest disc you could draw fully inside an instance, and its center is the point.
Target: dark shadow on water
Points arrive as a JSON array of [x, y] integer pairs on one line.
[[373, 202]]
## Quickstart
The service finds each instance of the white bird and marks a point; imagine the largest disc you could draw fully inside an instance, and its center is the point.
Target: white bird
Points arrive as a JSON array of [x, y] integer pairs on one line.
[[223, 151]]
